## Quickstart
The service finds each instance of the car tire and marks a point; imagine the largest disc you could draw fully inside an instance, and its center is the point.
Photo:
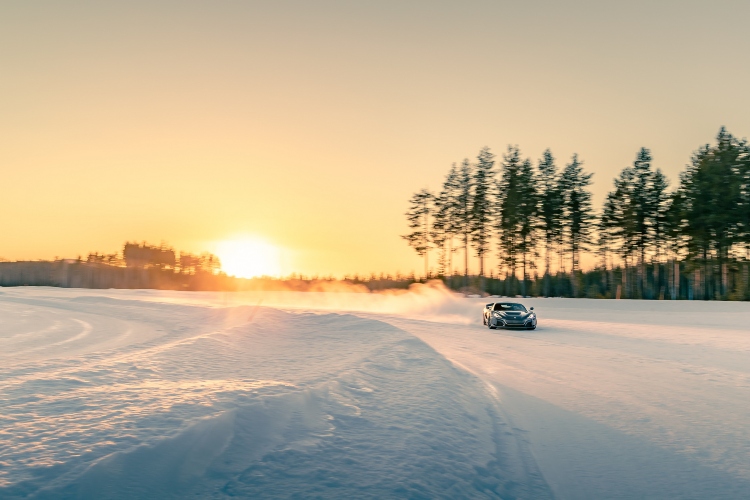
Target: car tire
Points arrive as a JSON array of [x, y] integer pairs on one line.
[[489, 324]]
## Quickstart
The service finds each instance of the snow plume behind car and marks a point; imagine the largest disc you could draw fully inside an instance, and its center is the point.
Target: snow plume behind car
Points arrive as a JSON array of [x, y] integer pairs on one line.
[[431, 301]]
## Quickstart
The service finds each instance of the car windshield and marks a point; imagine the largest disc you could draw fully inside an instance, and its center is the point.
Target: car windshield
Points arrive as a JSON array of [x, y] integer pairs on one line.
[[510, 307]]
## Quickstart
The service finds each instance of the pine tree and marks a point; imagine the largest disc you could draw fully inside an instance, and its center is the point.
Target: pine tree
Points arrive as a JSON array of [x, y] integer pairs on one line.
[[463, 211], [744, 215], [627, 219], [676, 229], [481, 206], [712, 188], [550, 209], [439, 235], [659, 202], [615, 225], [445, 225], [507, 219], [578, 215], [418, 218], [527, 213], [635, 217], [642, 211], [659, 199], [607, 231]]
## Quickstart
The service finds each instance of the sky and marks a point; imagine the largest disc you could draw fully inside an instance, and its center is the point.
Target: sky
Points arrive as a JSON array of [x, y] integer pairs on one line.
[[308, 125]]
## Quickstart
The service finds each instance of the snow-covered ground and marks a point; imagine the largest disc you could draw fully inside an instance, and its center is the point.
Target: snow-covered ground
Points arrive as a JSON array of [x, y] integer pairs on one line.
[[149, 394]]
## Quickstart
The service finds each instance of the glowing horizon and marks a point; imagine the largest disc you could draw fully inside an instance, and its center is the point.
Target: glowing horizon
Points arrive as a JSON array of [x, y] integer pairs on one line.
[[249, 257]]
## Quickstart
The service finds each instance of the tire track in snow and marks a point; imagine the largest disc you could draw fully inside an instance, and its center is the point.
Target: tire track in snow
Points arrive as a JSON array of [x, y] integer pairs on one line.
[[86, 330]]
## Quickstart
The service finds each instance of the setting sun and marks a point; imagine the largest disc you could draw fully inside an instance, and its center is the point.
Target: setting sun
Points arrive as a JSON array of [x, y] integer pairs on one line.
[[249, 257]]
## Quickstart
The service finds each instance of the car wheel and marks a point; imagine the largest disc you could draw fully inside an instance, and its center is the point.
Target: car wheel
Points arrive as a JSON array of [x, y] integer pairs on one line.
[[489, 324]]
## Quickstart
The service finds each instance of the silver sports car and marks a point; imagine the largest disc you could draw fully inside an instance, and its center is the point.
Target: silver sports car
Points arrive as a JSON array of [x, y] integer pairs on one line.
[[508, 315]]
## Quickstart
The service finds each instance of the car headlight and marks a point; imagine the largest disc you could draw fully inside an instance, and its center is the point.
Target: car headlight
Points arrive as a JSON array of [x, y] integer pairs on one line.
[[497, 315]]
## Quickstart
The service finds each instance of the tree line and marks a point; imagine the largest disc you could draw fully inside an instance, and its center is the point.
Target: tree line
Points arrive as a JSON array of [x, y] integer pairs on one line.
[[139, 265], [162, 257], [648, 240]]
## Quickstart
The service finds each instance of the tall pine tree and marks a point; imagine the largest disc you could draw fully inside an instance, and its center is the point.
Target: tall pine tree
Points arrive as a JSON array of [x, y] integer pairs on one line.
[[550, 209], [418, 219], [527, 213], [481, 206], [445, 223], [463, 211], [642, 211], [578, 216], [712, 188], [507, 219]]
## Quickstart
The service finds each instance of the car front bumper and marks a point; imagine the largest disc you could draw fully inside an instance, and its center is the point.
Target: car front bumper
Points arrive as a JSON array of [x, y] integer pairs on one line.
[[501, 323]]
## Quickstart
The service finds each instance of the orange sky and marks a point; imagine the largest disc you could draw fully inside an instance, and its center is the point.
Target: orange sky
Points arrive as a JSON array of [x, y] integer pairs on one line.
[[309, 124]]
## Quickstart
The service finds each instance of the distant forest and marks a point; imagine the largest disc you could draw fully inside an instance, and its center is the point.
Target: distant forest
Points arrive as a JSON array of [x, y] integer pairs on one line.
[[144, 265], [649, 241], [162, 256], [138, 266]]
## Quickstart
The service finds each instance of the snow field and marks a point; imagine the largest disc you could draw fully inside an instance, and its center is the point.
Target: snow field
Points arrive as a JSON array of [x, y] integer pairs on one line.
[[158, 394], [620, 399], [123, 397]]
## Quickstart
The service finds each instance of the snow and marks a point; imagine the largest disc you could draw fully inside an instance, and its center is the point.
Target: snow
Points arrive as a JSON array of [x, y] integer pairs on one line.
[[152, 394]]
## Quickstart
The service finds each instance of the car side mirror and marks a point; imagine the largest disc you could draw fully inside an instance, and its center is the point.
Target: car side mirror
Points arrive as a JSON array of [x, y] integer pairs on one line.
[[531, 309]]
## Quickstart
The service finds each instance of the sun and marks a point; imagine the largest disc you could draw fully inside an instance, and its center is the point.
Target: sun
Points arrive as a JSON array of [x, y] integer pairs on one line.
[[249, 257]]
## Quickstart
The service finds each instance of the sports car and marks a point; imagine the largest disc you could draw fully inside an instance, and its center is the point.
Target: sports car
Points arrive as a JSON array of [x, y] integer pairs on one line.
[[508, 315]]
